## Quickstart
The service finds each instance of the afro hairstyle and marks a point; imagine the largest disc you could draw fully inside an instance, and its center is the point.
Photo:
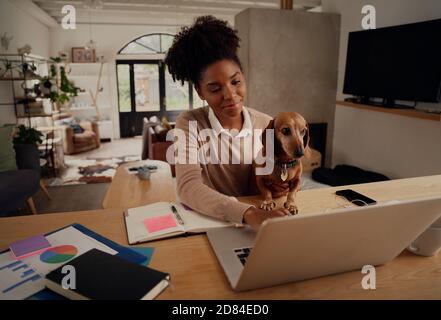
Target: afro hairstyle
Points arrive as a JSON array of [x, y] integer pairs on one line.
[[194, 48]]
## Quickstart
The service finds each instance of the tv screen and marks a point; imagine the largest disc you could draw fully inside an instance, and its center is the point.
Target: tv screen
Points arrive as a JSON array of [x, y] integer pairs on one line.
[[401, 62]]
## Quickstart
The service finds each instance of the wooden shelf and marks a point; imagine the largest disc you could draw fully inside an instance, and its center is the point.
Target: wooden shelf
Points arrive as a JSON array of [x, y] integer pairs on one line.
[[87, 108], [20, 79], [412, 113], [34, 116], [92, 75], [84, 63]]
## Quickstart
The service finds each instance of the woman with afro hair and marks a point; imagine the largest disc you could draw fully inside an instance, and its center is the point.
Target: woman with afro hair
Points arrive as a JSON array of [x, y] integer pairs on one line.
[[205, 54]]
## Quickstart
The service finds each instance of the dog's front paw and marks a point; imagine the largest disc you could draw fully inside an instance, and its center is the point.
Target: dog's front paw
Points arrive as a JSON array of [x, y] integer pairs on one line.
[[291, 207], [268, 205]]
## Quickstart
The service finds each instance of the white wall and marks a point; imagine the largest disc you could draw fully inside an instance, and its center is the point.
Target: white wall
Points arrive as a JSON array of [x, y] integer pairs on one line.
[[289, 56], [109, 38], [394, 145], [25, 29], [397, 146]]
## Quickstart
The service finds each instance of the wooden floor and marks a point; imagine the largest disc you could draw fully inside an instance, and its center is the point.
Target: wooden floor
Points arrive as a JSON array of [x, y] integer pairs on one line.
[[83, 197], [68, 198], [116, 148]]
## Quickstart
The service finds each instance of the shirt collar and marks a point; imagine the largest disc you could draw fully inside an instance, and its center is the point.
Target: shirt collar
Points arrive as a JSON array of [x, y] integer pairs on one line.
[[247, 126]]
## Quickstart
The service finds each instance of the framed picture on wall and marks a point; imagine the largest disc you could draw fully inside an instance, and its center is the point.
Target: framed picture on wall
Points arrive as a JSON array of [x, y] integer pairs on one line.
[[82, 55]]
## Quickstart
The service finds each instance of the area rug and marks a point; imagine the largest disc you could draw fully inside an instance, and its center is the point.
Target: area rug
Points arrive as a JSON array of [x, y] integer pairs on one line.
[[90, 170]]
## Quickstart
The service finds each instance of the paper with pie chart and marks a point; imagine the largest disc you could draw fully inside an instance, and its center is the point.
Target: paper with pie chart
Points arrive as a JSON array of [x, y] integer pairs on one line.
[[21, 279], [66, 244], [59, 254]]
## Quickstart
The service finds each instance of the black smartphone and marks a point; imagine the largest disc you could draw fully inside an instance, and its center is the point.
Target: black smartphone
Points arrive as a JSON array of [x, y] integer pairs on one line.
[[148, 167], [355, 197]]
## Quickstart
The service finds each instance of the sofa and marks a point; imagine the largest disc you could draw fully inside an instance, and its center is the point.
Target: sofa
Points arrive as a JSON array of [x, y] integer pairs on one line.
[[77, 142]]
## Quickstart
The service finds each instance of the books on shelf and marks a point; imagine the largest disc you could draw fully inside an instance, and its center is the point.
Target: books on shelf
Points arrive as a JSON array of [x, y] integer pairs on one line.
[[164, 220]]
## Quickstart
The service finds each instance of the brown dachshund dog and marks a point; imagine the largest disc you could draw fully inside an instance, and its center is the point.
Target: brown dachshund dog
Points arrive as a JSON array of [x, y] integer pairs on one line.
[[291, 138]]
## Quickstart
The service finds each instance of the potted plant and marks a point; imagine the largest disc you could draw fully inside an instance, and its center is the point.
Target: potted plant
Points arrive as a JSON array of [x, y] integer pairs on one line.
[[65, 88], [26, 142], [56, 86]]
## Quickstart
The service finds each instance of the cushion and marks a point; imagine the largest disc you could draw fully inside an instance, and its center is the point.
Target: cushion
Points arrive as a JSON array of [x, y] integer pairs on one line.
[[7, 152], [159, 127], [162, 136], [154, 119], [167, 125], [73, 123], [346, 174], [77, 128], [312, 162]]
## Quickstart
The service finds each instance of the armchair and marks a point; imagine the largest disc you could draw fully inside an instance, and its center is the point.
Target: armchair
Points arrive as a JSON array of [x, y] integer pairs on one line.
[[155, 145], [80, 142], [18, 186]]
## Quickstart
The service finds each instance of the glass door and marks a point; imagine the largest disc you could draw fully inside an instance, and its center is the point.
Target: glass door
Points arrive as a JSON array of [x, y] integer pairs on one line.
[[146, 89]]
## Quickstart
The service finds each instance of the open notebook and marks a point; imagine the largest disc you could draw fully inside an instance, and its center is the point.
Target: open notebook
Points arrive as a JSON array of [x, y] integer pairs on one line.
[[158, 220]]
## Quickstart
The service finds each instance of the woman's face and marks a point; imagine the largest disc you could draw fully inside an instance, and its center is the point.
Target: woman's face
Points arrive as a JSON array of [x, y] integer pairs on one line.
[[223, 86]]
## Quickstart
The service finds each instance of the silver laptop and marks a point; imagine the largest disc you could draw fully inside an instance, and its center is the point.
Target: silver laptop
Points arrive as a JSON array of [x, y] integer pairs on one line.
[[306, 246]]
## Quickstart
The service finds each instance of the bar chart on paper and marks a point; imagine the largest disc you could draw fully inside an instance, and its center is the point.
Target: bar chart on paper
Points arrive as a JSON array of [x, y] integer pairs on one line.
[[17, 279]]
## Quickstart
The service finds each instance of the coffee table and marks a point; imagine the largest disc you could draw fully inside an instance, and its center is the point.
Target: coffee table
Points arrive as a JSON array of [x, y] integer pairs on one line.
[[127, 190]]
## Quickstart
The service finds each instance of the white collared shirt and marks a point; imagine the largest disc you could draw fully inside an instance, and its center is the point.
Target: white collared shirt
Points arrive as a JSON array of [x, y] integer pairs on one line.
[[238, 139], [246, 130]]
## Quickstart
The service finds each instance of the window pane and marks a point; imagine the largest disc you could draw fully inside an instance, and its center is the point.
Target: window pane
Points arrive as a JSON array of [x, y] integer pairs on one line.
[[124, 87], [176, 95], [150, 43], [146, 87], [166, 42], [197, 102], [135, 48]]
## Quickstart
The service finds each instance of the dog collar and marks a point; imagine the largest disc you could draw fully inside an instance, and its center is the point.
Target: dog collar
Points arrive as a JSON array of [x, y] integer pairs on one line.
[[287, 165]]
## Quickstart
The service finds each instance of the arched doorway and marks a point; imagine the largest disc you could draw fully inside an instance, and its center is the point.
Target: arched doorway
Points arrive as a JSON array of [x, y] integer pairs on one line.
[[145, 87]]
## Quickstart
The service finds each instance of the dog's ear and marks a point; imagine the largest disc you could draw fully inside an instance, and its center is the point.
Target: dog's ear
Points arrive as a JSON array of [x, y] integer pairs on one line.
[[306, 143], [269, 126]]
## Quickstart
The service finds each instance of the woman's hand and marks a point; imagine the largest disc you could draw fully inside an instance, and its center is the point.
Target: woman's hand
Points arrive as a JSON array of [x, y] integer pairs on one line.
[[254, 216]]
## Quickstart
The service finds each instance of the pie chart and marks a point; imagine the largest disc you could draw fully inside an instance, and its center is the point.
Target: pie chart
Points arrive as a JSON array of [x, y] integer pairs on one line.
[[59, 254]]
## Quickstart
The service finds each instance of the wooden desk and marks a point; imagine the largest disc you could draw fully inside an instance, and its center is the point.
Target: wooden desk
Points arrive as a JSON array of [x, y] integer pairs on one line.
[[127, 190], [319, 200], [196, 274]]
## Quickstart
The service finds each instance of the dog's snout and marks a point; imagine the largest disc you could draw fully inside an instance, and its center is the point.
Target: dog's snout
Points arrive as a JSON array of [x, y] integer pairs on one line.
[[299, 152]]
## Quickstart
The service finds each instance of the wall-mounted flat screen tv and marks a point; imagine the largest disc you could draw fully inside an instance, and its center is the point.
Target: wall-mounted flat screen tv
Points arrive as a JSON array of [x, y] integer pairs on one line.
[[395, 63]]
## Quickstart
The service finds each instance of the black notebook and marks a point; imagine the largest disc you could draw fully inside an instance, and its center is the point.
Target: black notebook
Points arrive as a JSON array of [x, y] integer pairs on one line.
[[102, 276]]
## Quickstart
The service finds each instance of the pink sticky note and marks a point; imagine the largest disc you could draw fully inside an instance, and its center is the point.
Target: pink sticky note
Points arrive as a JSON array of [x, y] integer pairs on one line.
[[28, 255], [160, 223]]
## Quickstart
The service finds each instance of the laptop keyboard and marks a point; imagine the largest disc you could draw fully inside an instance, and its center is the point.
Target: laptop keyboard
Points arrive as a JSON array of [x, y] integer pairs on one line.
[[242, 254]]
